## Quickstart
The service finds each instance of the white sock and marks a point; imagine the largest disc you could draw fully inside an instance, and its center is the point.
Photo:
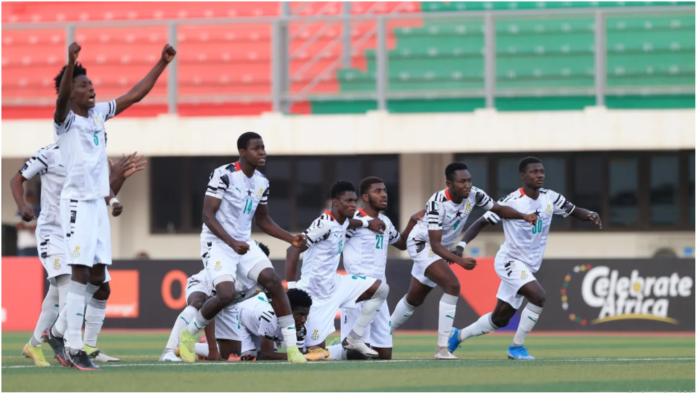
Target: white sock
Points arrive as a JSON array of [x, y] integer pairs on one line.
[[49, 313], [482, 326], [402, 313], [91, 289], [63, 282], [94, 320], [529, 318], [201, 349], [448, 308], [337, 352], [369, 310], [187, 315], [199, 323], [287, 329], [75, 308]]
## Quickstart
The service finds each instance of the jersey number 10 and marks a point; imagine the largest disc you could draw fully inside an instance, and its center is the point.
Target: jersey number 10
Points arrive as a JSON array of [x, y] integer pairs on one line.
[[537, 228], [380, 242]]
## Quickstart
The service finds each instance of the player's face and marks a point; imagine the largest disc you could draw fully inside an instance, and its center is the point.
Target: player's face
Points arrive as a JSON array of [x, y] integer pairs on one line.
[[377, 196], [83, 92], [534, 175], [300, 314], [255, 153], [461, 185], [346, 204]]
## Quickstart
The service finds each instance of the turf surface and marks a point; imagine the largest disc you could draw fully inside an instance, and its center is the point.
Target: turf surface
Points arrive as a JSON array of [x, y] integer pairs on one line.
[[583, 363]]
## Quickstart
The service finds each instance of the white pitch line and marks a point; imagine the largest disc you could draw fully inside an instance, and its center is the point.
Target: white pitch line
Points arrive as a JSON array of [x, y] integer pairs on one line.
[[256, 364]]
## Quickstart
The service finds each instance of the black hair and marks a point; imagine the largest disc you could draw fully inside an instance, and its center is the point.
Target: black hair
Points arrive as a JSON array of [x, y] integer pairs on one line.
[[299, 298], [264, 248], [341, 187], [452, 168], [244, 139], [367, 182], [526, 161], [78, 70]]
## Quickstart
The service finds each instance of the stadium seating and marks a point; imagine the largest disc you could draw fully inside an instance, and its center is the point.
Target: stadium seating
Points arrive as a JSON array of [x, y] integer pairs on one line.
[[234, 60]]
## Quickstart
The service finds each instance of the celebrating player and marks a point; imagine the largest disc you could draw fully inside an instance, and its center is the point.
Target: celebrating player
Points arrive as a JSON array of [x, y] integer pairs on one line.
[[330, 291], [429, 247], [47, 163], [365, 254], [520, 257], [80, 135]]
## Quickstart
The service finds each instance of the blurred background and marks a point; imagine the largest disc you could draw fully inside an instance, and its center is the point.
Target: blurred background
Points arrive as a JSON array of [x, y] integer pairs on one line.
[[602, 92]]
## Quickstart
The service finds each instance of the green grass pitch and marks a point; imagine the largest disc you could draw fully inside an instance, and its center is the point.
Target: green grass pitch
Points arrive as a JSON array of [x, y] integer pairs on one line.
[[568, 363]]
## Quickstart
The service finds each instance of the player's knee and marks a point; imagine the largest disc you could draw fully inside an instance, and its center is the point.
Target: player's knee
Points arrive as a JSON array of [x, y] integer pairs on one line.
[[273, 284], [500, 321], [414, 300], [382, 291], [80, 274], [225, 296], [452, 288], [103, 292], [538, 299]]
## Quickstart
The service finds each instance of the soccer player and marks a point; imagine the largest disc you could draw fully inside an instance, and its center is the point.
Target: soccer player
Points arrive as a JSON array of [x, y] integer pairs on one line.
[[237, 194], [365, 254], [329, 290], [47, 163], [520, 257], [199, 288], [80, 134], [429, 247]]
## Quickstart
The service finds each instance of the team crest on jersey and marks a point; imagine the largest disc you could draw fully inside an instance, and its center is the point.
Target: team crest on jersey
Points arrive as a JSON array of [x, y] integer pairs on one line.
[[76, 252], [431, 253], [523, 275], [56, 264], [467, 208], [260, 194], [548, 209], [98, 120], [218, 266], [315, 335]]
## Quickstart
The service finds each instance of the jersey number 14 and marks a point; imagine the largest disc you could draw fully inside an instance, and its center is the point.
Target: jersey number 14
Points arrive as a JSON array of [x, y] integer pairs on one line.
[[247, 206]]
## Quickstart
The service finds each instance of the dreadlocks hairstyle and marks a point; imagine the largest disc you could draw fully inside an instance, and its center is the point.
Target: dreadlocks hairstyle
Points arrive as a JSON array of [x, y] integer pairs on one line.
[[367, 182], [526, 161], [299, 298], [78, 70], [340, 187]]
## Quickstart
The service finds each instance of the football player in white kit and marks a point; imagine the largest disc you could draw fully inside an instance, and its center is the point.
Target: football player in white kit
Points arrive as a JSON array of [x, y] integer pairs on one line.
[[430, 243], [237, 194], [49, 237], [80, 134], [365, 254], [329, 290], [520, 257]]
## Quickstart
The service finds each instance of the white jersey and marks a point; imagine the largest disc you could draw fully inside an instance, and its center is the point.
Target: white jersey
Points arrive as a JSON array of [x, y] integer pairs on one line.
[[240, 197], [523, 242], [325, 238], [444, 215], [258, 317], [47, 163], [365, 252], [82, 144]]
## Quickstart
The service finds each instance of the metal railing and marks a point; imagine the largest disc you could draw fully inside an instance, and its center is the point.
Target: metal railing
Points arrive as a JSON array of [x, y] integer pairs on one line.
[[281, 96]]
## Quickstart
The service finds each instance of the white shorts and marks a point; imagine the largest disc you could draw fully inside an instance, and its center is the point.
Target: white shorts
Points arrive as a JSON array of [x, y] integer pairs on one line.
[[87, 232], [514, 274], [52, 254], [320, 322], [197, 283], [220, 259], [378, 333], [423, 256]]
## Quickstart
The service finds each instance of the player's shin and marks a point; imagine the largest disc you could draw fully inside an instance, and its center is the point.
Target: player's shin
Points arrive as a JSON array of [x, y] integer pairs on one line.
[[369, 310], [94, 320], [448, 307], [75, 308], [186, 317], [402, 313], [49, 314], [528, 319], [89, 292], [482, 326]]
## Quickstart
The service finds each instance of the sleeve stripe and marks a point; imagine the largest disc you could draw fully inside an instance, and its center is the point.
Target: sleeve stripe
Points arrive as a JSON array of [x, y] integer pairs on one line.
[[559, 197], [42, 161]]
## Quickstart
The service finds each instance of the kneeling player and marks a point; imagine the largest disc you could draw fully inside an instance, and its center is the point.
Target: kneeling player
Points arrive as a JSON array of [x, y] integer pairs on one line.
[[520, 257]]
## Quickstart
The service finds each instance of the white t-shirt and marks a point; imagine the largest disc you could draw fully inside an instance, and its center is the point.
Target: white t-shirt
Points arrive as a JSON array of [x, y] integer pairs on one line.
[[325, 239], [240, 197], [522, 241], [365, 252], [444, 215], [47, 163], [83, 147], [258, 318]]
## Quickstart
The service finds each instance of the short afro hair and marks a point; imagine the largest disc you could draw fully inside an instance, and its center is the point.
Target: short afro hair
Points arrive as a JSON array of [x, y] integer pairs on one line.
[[299, 298], [244, 139], [367, 182], [78, 70], [341, 187], [526, 161], [452, 168], [264, 248]]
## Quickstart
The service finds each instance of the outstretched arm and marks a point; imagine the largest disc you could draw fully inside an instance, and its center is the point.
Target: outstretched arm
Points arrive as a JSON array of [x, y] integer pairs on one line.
[[474, 230], [66, 84], [512, 214], [123, 169], [586, 215], [401, 243], [142, 88], [266, 223], [292, 258]]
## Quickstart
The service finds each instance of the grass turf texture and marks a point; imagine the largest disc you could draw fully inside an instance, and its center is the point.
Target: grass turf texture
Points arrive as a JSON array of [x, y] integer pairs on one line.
[[582, 363]]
